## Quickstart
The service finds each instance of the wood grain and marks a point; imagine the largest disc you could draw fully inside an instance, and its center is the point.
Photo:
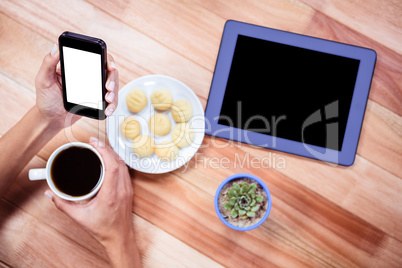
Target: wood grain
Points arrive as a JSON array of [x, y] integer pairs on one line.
[[322, 216], [377, 20]]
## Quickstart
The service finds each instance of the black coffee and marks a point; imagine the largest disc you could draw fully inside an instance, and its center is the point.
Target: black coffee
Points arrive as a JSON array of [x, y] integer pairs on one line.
[[76, 171]]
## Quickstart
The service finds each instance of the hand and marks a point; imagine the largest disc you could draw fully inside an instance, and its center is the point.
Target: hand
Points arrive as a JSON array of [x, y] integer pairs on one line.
[[107, 216], [49, 96]]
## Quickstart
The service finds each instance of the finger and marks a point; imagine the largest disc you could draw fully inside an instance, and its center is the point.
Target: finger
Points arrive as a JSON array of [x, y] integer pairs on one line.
[[111, 176], [116, 169], [110, 109], [112, 99], [47, 71], [111, 66], [63, 205], [110, 96], [112, 85], [103, 150], [112, 82]]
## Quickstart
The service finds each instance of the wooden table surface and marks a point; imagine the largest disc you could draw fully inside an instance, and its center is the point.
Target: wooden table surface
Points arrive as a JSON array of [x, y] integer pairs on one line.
[[322, 215]]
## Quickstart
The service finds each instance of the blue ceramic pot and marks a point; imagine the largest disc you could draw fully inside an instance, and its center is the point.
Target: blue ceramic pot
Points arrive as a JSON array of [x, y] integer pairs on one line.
[[235, 177]]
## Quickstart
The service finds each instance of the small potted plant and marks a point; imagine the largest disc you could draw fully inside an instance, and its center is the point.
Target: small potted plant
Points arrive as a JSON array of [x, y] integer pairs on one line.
[[243, 202]]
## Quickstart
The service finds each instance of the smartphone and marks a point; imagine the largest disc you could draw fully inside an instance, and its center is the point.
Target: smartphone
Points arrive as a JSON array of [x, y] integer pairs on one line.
[[83, 62]]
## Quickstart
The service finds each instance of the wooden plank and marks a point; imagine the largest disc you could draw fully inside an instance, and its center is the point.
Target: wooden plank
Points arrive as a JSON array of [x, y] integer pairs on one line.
[[19, 100], [385, 127], [344, 237], [285, 15], [20, 62], [378, 20], [153, 242], [184, 27], [25, 241]]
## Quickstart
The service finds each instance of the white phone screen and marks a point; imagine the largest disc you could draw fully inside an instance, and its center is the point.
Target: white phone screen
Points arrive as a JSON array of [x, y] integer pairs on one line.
[[83, 77]]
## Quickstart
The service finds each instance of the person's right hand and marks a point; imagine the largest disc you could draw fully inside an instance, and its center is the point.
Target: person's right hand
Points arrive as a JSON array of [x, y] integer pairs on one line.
[[108, 216]]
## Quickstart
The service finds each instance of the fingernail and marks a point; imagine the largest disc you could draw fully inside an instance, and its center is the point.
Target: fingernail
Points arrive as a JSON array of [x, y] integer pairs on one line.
[[93, 140], [48, 195], [111, 86], [109, 112], [113, 65], [110, 97], [54, 50]]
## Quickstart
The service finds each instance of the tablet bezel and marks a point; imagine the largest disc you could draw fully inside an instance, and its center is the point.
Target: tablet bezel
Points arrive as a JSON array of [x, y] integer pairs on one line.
[[367, 58]]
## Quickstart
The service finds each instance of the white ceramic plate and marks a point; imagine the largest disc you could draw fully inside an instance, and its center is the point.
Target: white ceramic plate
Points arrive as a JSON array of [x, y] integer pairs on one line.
[[123, 146]]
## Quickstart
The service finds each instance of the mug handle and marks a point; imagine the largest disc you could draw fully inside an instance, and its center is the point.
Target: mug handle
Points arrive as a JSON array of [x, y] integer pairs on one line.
[[37, 174]]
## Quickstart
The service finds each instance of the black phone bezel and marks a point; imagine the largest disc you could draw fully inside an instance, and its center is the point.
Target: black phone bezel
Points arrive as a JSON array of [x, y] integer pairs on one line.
[[90, 44]]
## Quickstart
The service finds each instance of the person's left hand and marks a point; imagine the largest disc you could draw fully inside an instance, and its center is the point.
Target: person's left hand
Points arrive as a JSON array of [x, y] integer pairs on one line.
[[49, 95]]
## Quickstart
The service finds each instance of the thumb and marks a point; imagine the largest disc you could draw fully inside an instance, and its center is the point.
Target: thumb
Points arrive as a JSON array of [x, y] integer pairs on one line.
[[61, 204], [47, 71]]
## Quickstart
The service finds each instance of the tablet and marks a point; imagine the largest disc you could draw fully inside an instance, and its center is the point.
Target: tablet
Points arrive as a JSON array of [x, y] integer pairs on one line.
[[289, 92]]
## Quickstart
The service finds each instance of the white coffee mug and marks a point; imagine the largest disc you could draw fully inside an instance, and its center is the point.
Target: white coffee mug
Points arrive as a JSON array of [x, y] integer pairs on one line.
[[44, 173]]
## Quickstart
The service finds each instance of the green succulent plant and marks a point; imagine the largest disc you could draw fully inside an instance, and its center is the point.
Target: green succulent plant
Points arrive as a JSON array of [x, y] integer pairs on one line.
[[243, 201]]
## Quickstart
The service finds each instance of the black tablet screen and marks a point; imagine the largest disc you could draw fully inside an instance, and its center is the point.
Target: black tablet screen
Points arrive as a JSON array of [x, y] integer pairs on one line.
[[289, 92]]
